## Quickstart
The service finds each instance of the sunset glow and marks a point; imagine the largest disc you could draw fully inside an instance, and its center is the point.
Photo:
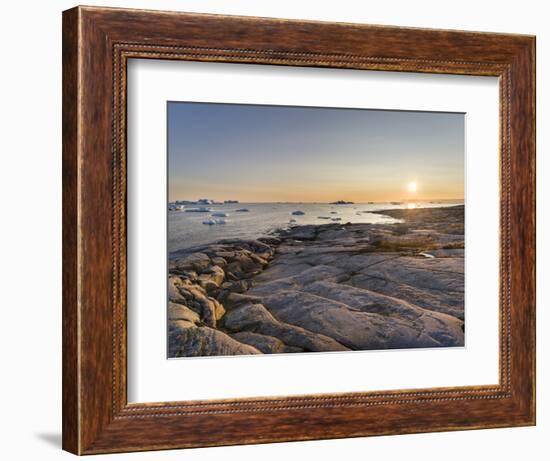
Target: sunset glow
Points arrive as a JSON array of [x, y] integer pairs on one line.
[[259, 154]]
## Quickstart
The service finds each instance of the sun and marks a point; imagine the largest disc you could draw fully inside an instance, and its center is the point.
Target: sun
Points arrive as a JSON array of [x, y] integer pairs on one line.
[[412, 186]]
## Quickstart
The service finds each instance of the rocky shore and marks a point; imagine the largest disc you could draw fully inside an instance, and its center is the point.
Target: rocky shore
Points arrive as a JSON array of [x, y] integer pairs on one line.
[[326, 287]]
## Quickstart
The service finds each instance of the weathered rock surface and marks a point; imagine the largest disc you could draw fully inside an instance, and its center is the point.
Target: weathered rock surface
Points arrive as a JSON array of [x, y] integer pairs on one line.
[[329, 287], [361, 319], [257, 319], [181, 312], [188, 340], [265, 344]]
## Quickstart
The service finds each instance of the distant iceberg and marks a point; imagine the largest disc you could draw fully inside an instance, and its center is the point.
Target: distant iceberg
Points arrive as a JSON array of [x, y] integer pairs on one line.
[[213, 222], [230, 201], [201, 209], [298, 213], [323, 217], [341, 202], [201, 201], [242, 210]]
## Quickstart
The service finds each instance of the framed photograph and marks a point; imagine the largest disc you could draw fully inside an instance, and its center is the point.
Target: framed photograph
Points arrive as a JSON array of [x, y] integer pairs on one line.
[[284, 230]]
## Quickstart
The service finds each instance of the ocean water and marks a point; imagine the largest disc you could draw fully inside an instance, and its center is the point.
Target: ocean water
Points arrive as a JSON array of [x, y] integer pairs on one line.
[[186, 229]]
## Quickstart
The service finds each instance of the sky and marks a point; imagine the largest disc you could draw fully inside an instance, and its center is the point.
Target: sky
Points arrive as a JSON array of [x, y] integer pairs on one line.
[[255, 153]]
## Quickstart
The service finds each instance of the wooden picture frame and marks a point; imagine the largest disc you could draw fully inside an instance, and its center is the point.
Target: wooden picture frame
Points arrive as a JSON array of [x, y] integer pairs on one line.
[[97, 43]]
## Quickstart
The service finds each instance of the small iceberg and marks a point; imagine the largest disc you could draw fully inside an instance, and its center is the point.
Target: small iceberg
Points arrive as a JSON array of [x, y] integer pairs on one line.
[[427, 255], [298, 213], [323, 217], [219, 214], [213, 222], [198, 210], [242, 210]]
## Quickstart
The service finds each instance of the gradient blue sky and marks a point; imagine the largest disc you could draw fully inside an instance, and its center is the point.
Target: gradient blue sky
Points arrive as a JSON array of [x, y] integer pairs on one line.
[[256, 153]]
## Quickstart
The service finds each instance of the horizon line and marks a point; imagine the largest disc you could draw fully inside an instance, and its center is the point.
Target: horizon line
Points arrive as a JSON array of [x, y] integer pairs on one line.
[[327, 203]]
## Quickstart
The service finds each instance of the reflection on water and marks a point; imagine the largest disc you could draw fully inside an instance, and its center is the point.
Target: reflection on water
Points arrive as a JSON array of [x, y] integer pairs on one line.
[[186, 229]]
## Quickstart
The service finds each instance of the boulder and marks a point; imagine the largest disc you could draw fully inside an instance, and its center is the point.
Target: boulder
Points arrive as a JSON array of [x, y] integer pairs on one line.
[[194, 296], [243, 264], [239, 286], [265, 344], [181, 312], [236, 299], [194, 261], [187, 340], [219, 261], [219, 310], [213, 274], [180, 324]]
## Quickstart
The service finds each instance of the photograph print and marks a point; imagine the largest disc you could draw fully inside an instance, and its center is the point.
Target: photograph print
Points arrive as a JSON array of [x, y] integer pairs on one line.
[[312, 229]]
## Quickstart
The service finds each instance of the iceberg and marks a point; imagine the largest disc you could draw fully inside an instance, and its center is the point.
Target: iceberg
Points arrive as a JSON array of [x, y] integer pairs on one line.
[[342, 202], [298, 213], [213, 222], [198, 210], [242, 210]]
